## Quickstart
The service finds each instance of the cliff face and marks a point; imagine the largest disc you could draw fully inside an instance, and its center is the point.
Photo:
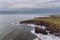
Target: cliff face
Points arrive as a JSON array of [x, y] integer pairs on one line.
[[50, 26]]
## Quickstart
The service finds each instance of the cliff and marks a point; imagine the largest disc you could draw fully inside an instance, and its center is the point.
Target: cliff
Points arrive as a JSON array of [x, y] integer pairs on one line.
[[52, 24]]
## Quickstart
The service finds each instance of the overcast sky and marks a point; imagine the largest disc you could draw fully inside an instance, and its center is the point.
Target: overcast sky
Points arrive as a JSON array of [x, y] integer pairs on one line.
[[17, 4]]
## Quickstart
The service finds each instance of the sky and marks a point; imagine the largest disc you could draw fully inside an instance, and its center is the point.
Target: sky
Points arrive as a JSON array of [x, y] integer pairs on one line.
[[17, 4], [37, 4]]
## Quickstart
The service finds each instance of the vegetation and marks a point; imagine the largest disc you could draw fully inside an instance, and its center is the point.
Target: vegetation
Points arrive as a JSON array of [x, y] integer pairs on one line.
[[55, 20], [52, 23]]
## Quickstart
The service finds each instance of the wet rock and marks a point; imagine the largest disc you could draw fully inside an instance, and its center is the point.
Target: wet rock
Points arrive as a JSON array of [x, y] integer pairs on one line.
[[53, 28], [56, 34], [37, 22], [51, 32], [38, 30]]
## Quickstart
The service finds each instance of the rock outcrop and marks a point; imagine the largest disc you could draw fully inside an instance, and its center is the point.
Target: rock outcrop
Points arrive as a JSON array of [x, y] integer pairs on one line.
[[50, 26], [38, 30]]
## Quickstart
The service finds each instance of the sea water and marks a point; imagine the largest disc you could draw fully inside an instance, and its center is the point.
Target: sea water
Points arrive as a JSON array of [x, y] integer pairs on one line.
[[9, 23], [10, 28], [41, 36]]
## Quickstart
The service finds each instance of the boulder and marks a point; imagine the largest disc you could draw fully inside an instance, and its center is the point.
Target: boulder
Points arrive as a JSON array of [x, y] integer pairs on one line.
[[53, 28], [38, 30]]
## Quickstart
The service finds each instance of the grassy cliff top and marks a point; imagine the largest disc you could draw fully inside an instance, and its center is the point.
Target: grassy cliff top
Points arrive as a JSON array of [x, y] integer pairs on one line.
[[55, 20], [52, 23]]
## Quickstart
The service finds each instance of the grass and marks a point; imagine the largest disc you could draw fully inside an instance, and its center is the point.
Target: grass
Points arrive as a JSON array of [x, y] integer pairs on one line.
[[52, 23], [55, 20]]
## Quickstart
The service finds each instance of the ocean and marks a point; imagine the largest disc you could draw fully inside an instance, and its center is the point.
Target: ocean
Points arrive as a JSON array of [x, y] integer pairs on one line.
[[10, 29], [9, 23]]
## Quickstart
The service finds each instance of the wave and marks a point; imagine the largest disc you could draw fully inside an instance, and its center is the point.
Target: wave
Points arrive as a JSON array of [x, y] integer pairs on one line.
[[32, 25], [44, 37]]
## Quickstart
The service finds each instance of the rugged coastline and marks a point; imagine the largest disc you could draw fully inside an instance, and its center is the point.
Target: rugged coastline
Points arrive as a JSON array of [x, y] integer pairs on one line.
[[52, 24]]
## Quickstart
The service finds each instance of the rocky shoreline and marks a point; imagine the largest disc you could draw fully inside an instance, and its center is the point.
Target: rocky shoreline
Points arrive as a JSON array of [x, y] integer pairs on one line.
[[51, 27]]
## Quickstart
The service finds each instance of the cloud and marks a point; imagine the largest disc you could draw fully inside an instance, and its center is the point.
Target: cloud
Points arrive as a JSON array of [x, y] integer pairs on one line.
[[16, 4], [50, 5]]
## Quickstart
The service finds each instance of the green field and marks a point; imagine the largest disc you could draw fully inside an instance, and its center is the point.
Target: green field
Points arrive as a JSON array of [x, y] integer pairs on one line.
[[52, 23], [55, 20]]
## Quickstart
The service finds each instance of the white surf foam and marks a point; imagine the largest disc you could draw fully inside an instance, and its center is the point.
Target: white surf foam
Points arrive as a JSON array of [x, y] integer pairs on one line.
[[44, 37], [32, 25], [15, 24]]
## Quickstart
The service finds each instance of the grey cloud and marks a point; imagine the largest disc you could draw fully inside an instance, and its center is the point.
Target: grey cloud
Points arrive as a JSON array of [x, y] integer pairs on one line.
[[12, 4]]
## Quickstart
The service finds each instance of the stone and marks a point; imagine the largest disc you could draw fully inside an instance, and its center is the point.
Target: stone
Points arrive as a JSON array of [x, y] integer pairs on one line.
[[38, 30]]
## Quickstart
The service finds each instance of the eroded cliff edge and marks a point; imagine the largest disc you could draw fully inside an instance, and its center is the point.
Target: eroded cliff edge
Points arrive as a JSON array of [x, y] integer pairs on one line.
[[52, 24]]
